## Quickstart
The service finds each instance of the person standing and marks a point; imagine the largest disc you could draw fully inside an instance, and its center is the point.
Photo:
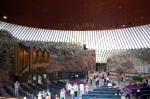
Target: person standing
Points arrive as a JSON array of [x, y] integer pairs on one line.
[[81, 89], [108, 72], [44, 77], [47, 96], [139, 72], [103, 79], [62, 94], [39, 79], [96, 80], [34, 79], [91, 79], [69, 88], [107, 79], [75, 88], [72, 93], [123, 78], [119, 77], [128, 91], [29, 79], [123, 86], [86, 88], [16, 85]]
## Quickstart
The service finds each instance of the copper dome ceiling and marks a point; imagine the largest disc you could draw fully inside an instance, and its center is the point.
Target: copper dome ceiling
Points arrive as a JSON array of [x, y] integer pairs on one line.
[[76, 14]]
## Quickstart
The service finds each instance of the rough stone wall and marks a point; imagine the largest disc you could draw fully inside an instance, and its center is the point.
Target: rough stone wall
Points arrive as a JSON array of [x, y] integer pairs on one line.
[[79, 60], [131, 61], [6, 57]]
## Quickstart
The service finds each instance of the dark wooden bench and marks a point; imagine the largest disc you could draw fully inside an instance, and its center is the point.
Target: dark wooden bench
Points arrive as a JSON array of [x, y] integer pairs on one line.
[[10, 92], [55, 87], [101, 96], [24, 94], [104, 92], [2, 93], [142, 92], [141, 89], [35, 87], [41, 86], [107, 89], [28, 89], [98, 98], [144, 96], [58, 84], [54, 91]]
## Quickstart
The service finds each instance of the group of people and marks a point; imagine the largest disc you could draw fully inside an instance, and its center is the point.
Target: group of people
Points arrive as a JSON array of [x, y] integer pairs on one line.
[[73, 90], [44, 95], [38, 79], [34, 79]]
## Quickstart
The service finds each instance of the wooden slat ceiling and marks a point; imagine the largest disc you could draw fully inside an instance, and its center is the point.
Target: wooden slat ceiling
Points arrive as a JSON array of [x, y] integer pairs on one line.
[[76, 14]]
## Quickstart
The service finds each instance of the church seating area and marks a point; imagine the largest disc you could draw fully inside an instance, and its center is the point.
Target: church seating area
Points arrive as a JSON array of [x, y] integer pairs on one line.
[[10, 92], [103, 93], [144, 91]]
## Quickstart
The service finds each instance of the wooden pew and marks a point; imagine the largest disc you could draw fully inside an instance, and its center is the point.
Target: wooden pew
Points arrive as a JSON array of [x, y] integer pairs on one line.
[[104, 92], [54, 91], [28, 89], [35, 87], [141, 89], [58, 84], [145, 96], [10, 92], [142, 92], [21, 92], [41, 86], [101, 96], [107, 89], [2, 94]]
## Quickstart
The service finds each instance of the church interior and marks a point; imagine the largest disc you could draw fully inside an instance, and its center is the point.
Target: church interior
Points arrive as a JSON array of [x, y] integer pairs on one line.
[[46, 44]]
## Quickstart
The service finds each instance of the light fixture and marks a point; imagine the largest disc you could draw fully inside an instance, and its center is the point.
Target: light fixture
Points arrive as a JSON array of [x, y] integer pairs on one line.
[[5, 17], [123, 25]]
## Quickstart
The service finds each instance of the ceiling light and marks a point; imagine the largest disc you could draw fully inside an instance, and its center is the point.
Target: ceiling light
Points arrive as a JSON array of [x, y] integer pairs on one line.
[[123, 25], [5, 17]]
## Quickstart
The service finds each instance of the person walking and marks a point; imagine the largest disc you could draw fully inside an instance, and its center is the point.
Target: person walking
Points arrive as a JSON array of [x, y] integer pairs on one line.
[[128, 91]]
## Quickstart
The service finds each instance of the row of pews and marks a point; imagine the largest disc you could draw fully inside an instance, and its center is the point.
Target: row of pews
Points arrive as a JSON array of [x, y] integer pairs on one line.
[[103, 93], [144, 91], [54, 88], [10, 91]]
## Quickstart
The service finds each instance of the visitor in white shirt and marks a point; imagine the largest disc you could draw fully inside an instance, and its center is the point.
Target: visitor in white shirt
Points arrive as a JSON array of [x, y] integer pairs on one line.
[[69, 88], [109, 84], [81, 89]]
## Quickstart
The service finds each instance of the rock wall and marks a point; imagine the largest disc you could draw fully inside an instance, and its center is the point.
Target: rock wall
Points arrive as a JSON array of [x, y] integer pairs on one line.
[[131, 61], [6, 57], [78, 60]]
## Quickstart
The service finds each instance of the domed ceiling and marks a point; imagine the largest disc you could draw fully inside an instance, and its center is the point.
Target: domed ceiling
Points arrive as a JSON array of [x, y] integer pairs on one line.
[[76, 14]]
